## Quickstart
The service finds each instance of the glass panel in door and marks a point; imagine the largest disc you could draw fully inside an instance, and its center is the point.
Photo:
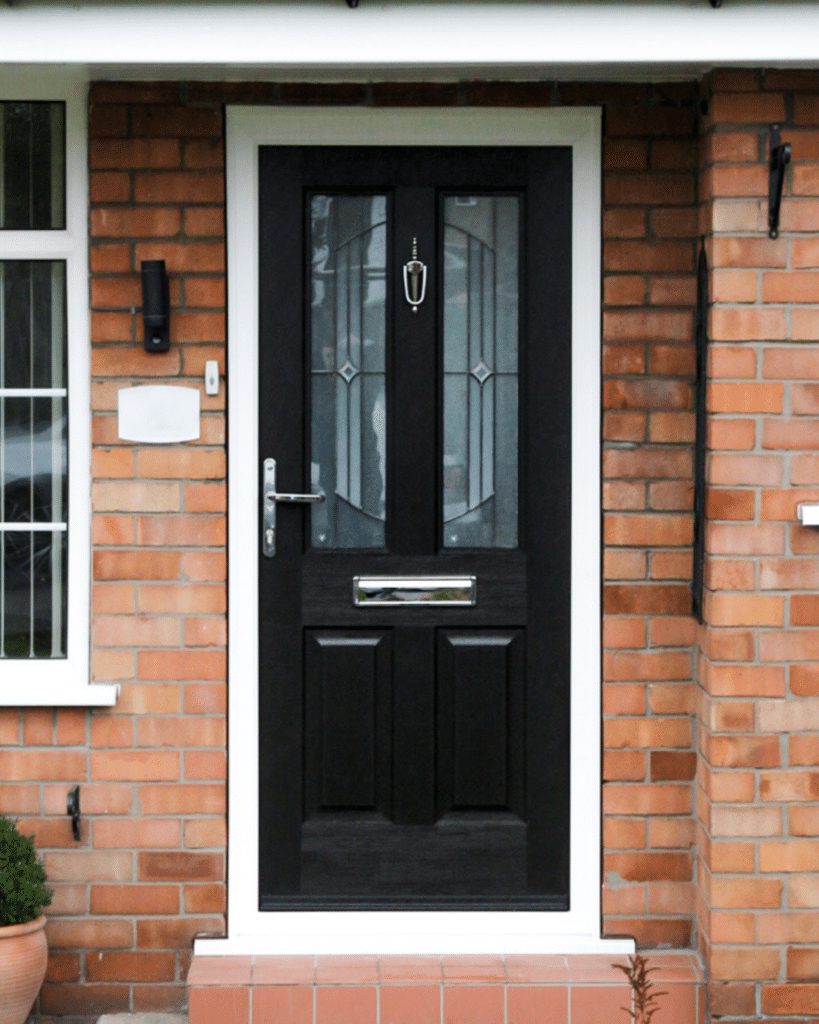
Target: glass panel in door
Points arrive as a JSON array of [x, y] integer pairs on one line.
[[348, 332], [481, 300]]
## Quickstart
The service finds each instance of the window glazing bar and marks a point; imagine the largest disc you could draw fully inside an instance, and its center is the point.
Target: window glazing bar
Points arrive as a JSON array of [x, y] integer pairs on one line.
[[2, 411], [57, 336], [32, 527], [31, 392], [2, 213]]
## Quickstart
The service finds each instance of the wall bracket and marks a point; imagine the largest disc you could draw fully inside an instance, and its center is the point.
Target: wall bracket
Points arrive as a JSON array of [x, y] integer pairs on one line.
[[73, 808], [779, 159]]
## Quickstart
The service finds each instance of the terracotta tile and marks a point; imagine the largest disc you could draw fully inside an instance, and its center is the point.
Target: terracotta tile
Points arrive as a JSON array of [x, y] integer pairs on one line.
[[666, 974], [536, 968], [350, 970], [473, 1004], [282, 1004], [220, 970], [219, 1005], [410, 969], [593, 969], [678, 1006], [473, 968], [284, 970], [349, 1004], [410, 1004], [537, 1004], [596, 1004]]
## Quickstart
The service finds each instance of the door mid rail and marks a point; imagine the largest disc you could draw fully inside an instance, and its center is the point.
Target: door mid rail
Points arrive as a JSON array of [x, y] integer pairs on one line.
[[270, 497]]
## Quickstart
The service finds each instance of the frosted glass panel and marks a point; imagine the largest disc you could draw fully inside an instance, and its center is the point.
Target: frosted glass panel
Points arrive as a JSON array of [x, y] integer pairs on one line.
[[481, 239], [348, 330]]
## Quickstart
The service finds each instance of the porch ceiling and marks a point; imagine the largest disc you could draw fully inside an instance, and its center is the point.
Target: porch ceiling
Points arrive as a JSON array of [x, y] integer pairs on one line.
[[408, 39]]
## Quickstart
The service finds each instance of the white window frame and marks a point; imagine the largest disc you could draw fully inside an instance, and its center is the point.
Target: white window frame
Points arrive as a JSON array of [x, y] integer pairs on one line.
[[284, 932], [61, 682]]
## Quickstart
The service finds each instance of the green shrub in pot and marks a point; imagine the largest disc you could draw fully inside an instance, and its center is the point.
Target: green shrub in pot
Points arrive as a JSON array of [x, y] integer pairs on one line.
[[23, 947], [23, 892]]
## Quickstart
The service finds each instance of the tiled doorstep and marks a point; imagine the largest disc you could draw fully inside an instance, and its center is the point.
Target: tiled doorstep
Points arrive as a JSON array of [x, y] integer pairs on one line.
[[434, 990]]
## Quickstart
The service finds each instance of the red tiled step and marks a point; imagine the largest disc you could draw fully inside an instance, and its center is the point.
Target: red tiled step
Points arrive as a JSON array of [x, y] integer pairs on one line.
[[576, 989]]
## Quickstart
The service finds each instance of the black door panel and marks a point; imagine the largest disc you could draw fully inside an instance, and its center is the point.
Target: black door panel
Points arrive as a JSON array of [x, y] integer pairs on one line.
[[415, 756]]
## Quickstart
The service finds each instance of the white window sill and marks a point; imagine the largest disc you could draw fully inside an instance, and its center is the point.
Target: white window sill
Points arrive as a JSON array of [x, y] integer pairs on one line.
[[51, 684]]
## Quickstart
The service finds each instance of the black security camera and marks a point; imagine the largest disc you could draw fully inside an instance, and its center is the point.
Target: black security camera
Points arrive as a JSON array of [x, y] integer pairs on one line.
[[156, 306]]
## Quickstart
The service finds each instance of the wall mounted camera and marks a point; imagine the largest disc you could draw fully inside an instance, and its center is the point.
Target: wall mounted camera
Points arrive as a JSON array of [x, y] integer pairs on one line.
[[156, 306]]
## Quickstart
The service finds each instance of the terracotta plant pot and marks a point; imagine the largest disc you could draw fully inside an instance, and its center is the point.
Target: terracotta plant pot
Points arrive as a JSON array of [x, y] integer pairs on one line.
[[23, 956]]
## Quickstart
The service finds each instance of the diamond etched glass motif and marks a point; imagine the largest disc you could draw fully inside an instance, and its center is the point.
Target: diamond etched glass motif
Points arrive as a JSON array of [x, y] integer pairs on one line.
[[480, 322], [348, 371]]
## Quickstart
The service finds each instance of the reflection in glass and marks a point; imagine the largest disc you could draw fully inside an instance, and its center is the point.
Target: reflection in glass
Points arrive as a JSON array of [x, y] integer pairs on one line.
[[481, 371], [32, 166], [33, 459], [348, 329], [33, 594]]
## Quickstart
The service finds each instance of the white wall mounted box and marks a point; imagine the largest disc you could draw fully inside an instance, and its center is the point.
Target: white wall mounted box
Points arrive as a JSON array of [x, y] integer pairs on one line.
[[158, 414], [808, 514]]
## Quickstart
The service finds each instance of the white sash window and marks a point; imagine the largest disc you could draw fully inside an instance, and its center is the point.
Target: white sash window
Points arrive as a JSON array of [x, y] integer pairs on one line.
[[44, 398]]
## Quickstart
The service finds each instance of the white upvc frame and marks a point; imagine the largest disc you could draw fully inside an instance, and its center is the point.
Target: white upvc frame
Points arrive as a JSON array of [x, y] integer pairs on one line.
[[61, 682], [253, 931]]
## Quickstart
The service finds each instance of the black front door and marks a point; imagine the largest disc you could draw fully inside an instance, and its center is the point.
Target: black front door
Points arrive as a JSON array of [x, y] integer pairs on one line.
[[415, 371]]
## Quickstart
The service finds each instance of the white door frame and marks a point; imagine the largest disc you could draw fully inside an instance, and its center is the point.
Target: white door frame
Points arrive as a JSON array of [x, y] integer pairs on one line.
[[250, 930]]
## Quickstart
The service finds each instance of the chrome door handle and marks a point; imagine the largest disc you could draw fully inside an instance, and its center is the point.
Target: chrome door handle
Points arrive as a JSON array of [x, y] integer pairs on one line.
[[270, 496]]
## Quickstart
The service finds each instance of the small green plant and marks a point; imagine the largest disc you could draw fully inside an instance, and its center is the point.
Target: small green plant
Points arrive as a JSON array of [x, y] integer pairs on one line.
[[23, 892], [645, 998]]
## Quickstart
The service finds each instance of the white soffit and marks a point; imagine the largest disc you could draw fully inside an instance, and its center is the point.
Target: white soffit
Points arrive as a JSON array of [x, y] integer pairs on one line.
[[409, 38]]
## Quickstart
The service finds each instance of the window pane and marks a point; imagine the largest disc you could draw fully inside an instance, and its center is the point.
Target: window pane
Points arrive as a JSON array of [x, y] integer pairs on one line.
[[348, 329], [33, 459], [481, 371], [32, 166], [32, 324], [33, 594]]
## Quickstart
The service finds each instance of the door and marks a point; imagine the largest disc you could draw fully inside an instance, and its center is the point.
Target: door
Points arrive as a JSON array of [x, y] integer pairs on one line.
[[415, 372]]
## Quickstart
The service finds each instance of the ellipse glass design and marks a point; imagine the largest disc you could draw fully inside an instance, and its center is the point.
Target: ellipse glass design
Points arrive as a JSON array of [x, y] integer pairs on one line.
[[32, 166], [33, 459], [348, 331], [481, 313]]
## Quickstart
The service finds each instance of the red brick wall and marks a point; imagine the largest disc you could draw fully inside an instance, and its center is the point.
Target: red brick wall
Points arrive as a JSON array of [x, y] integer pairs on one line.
[[758, 722], [149, 871], [649, 288]]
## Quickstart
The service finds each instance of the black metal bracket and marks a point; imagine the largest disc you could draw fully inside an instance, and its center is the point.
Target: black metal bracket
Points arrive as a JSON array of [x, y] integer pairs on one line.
[[73, 808], [779, 159]]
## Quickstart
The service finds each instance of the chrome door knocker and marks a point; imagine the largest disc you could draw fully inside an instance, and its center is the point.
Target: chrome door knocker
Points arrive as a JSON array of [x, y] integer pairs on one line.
[[415, 279]]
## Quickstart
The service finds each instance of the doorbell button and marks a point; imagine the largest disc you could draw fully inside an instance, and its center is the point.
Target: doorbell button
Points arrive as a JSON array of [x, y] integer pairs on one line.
[[211, 377]]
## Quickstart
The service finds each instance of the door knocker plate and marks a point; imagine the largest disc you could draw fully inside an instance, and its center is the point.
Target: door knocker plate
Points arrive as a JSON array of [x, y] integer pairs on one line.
[[415, 279]]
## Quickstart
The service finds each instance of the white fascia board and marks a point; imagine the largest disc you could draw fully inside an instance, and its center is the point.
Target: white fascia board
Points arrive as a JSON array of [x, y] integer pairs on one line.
[[408, 36]]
